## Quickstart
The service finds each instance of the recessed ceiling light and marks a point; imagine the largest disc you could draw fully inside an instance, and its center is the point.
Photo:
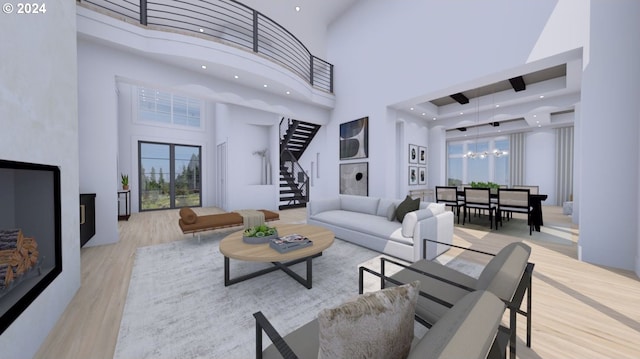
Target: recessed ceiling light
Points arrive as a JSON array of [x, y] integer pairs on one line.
[[434, 118], [411, 108], [539, 125], [201, 30], [288, 93], [235, 76], [462, 113], [297, 8], [265, 85], [497, 105], [535, 115], [541, 96], [424, 114], [204, 67]]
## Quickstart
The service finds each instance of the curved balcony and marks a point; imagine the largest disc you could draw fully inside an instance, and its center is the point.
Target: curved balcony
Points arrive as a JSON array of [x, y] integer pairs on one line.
[[225, 21]]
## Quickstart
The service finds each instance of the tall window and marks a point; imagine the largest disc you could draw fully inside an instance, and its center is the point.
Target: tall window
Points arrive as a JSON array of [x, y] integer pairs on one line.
[[165, 107], [483, 168], [170, 175]]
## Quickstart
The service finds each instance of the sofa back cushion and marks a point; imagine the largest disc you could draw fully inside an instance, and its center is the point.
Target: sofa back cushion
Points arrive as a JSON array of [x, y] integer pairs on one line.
[[502, 274], [322, 205], [361, 204], [386, 208]]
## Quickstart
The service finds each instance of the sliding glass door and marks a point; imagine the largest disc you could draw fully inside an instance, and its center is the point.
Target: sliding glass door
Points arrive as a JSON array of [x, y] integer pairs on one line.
[[170, 175]]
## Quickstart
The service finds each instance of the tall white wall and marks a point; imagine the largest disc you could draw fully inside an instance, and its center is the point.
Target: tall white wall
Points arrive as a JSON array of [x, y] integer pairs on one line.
[[540, 160], [39, 124], [610, 117]]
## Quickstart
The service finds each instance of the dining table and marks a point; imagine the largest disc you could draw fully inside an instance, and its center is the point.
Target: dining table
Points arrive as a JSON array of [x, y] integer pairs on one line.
[[535, 200]]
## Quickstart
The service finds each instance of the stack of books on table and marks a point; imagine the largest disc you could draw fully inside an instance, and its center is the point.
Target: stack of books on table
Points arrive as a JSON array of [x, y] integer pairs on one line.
[[289, 243]]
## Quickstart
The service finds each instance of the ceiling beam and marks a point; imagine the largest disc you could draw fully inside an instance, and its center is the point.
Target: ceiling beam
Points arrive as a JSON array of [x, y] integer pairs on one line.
[[460, 97], [518, 83]]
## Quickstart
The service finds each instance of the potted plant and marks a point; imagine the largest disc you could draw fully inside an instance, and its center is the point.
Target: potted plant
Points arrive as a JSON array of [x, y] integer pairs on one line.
[[125, 181]]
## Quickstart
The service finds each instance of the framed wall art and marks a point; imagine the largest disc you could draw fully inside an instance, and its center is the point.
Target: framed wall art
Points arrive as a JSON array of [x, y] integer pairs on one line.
[[354, 139], [413, 154], [422, 175], [413, 175], [422, 155], [354, 178]]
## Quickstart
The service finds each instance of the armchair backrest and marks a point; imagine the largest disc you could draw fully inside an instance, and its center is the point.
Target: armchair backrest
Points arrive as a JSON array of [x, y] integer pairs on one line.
[[467, 330], [502, 274]]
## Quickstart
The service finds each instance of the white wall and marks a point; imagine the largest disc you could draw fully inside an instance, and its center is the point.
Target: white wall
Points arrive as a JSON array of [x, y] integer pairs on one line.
[[39, 124], [540, 160], [609, 120]]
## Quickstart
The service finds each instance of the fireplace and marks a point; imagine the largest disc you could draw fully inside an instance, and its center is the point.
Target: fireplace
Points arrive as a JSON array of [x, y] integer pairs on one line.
[[30, 235]]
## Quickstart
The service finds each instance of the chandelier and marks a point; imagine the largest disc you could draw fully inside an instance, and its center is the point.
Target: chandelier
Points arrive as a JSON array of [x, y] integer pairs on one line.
[[483, 154]]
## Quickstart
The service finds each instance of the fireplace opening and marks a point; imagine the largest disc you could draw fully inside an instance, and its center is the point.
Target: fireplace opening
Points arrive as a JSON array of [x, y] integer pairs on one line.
[[30, 235]]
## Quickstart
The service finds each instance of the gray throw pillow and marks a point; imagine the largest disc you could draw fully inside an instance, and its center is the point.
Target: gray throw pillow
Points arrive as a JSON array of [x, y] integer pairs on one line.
[[406, 206], [374, 325]]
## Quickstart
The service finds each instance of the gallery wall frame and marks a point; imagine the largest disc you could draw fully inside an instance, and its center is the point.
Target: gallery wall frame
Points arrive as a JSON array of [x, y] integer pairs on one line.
[[354, 178], [422, 155], [422, 175], [413, 175], [354, 139], [413, 153]]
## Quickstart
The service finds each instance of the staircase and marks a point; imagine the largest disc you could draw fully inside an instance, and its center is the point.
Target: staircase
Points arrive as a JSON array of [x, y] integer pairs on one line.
[[295, 137]]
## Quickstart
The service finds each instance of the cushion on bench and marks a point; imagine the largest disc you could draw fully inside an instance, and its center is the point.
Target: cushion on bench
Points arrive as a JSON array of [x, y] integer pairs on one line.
[[218, 220]]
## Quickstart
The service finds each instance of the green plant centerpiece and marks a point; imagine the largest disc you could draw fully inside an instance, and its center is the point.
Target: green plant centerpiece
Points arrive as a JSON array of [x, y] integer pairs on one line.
[[259, 234]]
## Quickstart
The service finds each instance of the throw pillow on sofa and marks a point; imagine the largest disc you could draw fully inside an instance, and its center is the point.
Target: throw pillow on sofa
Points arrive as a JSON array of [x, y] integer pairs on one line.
[[406, 206]]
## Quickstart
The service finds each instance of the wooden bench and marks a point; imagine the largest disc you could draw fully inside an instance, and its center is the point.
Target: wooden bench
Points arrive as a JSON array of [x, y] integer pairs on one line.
[[190, 222]]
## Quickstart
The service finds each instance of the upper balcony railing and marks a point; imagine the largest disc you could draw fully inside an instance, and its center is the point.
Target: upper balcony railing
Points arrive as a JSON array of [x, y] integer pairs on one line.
[[230, 22]]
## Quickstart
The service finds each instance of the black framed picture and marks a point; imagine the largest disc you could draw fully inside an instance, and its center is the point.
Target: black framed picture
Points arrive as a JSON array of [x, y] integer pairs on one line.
[[413, 175], [422, 155], [422, 175], [354, 139], [413, 154], [354, 178]]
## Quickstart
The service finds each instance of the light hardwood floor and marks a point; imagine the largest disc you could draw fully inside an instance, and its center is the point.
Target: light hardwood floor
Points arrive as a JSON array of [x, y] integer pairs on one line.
[[580, 310]]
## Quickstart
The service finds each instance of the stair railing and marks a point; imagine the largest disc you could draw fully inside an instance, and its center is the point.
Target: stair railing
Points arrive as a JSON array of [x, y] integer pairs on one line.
[[226, 21], [299, 180]]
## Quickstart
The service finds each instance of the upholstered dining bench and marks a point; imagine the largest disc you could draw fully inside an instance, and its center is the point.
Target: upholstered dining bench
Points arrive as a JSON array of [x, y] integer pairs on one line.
[[190, 222]]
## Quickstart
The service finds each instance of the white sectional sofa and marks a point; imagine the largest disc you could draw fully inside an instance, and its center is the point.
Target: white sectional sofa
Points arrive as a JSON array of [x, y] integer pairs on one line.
[[370, 222]]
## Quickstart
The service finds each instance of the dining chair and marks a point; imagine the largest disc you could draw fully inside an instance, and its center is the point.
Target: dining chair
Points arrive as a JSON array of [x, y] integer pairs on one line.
[[512, 200], [449, 196], [480, 199], [532, 189]]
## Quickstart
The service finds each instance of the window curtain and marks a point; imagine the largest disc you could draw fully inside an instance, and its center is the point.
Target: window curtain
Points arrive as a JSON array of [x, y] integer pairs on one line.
[[516, 158], [564, 164]]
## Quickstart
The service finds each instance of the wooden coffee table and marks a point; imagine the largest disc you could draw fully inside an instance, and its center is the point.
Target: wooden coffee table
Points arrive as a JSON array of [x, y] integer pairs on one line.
[[232, 246]]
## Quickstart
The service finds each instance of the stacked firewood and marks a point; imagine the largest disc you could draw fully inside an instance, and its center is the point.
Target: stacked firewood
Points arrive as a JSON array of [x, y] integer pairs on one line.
[[18, 254]]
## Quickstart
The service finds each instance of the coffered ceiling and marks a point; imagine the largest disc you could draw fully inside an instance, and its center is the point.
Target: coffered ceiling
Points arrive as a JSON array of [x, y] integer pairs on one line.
[[541, 94]]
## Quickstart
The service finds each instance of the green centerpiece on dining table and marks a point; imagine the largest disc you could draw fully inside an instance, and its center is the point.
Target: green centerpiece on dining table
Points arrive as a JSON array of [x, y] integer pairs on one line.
[[259, 234]]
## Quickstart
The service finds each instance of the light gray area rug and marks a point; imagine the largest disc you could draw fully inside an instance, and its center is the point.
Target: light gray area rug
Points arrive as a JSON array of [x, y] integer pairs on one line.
[[178, 307]]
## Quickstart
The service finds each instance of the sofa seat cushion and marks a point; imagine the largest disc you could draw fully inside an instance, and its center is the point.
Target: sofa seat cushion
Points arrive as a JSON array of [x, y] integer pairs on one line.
[[427, 309], [368, 224]]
